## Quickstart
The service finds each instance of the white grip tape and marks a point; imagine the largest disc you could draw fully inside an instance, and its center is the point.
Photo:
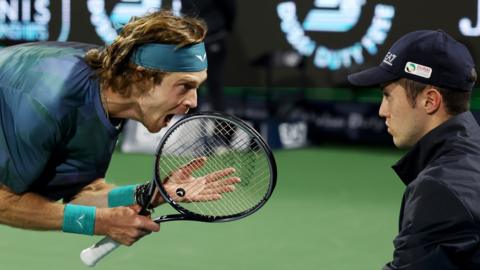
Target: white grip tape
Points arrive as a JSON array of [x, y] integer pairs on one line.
[[90, 256]]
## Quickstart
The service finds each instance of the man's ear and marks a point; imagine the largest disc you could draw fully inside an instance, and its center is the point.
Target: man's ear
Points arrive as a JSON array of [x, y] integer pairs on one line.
[[433, 100], [140, 74]]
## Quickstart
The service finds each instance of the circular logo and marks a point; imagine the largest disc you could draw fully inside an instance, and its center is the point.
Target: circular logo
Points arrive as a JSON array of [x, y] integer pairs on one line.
[[410, 67], [180, 192], [334, 16]]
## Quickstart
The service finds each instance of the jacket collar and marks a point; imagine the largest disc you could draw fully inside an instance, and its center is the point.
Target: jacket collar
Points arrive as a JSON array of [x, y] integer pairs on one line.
[[430, 146]]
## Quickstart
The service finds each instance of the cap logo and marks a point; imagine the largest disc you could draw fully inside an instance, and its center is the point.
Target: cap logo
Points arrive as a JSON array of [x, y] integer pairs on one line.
[[389, 58], [418, 70]]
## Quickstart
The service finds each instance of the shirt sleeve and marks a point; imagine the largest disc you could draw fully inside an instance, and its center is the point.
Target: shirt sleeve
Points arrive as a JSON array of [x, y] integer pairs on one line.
[[437, 230], [28, 135]]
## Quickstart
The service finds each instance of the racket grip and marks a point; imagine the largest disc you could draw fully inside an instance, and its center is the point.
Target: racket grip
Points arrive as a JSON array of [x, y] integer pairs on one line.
[[90, 256]]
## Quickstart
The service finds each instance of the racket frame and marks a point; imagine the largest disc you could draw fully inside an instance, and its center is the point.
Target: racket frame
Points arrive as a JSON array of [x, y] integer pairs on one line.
[[188, 215], [90, 256]]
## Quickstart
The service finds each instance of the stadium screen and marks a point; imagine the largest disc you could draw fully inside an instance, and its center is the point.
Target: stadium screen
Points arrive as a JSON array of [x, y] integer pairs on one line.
[[333, 37]]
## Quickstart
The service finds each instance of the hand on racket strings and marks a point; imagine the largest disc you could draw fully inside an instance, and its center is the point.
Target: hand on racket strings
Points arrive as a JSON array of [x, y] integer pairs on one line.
[[183, 187], [204, 189]]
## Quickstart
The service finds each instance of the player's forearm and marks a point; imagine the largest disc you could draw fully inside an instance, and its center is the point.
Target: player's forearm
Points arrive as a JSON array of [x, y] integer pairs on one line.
[[29, 211], [95, 194], [34, 212]]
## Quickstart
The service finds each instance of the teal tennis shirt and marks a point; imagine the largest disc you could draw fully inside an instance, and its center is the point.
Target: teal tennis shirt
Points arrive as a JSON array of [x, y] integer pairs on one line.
[[54, 135]]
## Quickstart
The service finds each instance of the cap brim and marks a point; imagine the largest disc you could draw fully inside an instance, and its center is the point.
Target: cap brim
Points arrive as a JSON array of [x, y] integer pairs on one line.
[[372, 77]]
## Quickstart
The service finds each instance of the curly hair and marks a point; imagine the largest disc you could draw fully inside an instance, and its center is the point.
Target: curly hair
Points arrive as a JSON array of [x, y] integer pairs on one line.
[[113, 62]]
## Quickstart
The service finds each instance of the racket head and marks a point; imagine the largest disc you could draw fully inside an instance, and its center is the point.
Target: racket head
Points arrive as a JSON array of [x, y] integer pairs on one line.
[[224, 141]]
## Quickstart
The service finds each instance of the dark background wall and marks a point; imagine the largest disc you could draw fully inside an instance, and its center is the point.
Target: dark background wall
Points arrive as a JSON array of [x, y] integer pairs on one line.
[[257, 31]]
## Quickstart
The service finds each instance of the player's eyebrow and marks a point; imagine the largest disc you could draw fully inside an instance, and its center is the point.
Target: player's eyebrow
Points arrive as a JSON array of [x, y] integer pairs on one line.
[[190, 83], [191, 80]]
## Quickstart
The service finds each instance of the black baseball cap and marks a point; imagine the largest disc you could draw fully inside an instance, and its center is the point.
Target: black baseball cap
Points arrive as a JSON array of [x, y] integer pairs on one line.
[[426, 56]]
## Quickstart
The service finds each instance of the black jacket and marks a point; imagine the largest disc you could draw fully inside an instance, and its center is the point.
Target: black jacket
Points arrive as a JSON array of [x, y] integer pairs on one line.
[[440, 214]]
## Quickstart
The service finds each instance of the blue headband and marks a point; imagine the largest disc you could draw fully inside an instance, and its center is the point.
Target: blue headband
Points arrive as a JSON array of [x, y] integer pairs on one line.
[[169, 58]]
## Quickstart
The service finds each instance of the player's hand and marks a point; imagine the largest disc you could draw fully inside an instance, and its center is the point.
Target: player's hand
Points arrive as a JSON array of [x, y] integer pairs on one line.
[[123, 224], [183, 187]]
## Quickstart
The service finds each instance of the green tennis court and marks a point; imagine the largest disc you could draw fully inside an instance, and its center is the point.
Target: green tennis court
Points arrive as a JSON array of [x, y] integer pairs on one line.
[[335, 207]]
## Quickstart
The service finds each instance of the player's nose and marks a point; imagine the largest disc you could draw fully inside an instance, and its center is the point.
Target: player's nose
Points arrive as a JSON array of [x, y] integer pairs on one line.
[[191, 99]]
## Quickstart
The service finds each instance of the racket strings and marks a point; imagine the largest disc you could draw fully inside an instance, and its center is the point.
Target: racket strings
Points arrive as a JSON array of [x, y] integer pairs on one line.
[[238, 199], [198, 144], [243, 153], [239, 161], [242, 197]]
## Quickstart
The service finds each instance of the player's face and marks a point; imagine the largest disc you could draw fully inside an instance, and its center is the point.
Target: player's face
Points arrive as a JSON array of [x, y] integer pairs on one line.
[[406, 123], [176, 94]]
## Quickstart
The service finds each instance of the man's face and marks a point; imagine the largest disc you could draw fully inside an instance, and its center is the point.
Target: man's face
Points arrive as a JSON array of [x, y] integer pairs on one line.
[[405, 122], [176, 94]]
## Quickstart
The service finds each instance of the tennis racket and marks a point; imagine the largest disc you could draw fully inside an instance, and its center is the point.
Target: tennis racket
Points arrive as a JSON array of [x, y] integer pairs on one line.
[[209, 167]]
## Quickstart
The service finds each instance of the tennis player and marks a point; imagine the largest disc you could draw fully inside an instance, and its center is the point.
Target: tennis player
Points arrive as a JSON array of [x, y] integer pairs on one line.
[[427, 79], [62, 107]]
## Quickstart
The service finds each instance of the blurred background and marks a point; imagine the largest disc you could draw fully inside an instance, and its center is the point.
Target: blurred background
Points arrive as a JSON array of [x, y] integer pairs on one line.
[[281, 66]]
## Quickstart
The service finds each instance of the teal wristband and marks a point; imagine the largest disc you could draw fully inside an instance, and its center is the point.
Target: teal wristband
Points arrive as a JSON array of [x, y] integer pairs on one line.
[[79, 219], [122, 196]]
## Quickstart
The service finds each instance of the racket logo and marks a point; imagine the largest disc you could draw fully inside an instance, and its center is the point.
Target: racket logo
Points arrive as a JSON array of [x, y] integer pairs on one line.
[[180, 192]]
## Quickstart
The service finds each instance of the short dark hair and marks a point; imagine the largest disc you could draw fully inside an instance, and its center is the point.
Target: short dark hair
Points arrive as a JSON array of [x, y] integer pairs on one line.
[[456, 101]]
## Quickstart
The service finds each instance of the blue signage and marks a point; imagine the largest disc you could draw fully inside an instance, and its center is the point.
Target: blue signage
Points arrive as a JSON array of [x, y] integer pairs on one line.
[[335, 16], [28, 20]]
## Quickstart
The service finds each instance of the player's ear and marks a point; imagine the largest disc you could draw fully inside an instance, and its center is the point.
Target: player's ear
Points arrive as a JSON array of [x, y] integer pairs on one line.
[[142, 74], [432, 99]]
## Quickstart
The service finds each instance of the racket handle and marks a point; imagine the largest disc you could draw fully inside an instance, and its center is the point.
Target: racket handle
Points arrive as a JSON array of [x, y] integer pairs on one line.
[[90, 256]]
